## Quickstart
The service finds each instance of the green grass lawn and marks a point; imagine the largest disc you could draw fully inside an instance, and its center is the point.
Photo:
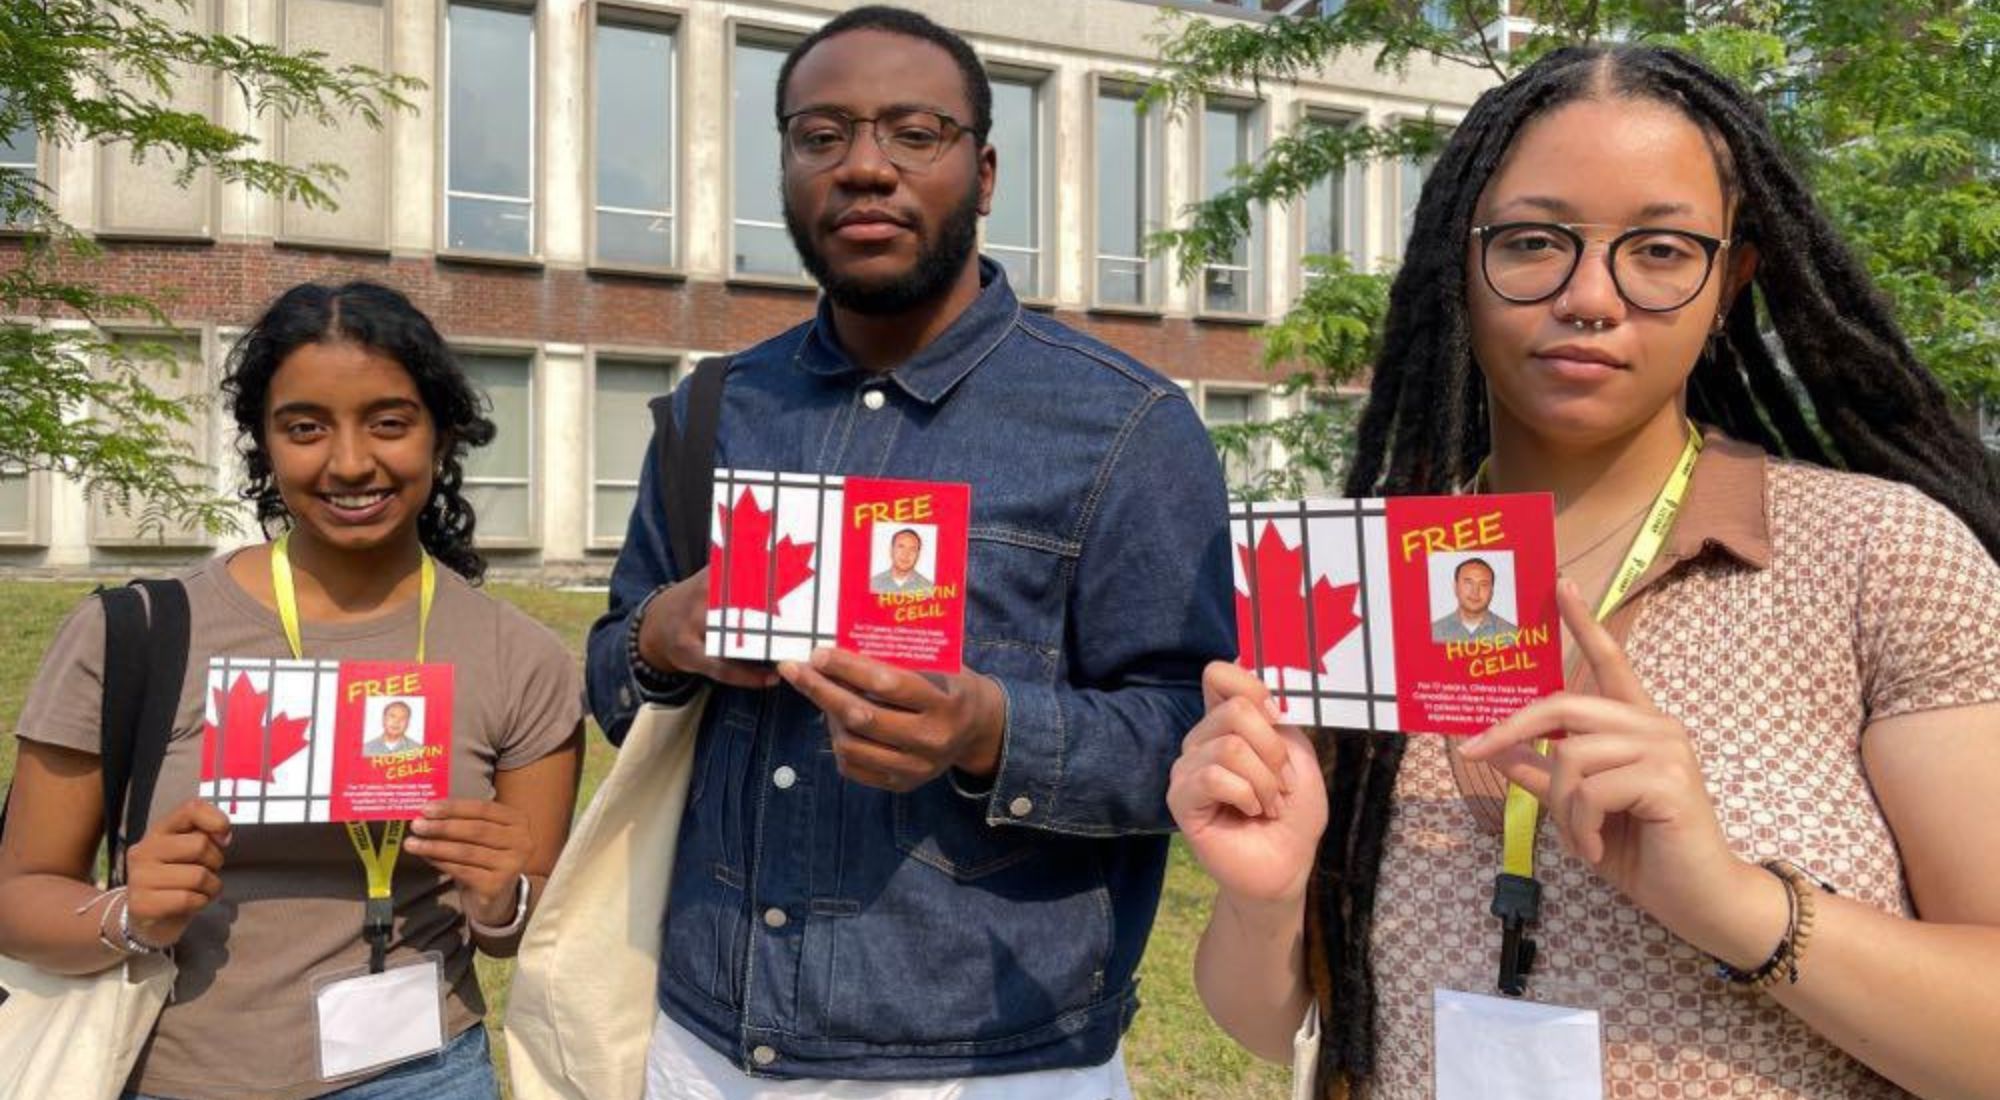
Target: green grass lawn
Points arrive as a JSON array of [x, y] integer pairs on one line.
[[1173, 1051]]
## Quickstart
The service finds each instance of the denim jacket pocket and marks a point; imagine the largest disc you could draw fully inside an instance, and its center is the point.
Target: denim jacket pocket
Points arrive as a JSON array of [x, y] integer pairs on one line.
[[943, 828]]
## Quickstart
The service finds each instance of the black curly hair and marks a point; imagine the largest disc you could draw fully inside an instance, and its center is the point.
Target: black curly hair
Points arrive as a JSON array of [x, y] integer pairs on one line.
[[1869, 406], [383, 320]]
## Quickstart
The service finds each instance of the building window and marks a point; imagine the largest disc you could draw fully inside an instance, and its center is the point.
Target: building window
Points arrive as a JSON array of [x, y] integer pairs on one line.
[[499, 477], [18, 144], [1014, 230], [621, 429], [16, 504], [763, 248], [1127, 152], [1415, 171], [634, 140], [1228, 140], [1332, 206], [1221, 408], [490, 130]]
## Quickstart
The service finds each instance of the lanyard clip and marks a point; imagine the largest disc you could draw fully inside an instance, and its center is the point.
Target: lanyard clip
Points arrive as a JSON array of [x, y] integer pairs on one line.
[[1517, 901], [377, 921]]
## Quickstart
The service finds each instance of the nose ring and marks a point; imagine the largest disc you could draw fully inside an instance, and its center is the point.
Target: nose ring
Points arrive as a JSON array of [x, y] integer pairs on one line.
[[1596, 324]]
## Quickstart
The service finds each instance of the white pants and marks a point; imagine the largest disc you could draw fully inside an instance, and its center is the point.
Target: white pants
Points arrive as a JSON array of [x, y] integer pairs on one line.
[[682, 1067]]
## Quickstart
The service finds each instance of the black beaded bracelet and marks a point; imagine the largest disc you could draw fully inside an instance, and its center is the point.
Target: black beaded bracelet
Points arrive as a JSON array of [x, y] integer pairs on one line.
[[661, 686], [1784, 959]]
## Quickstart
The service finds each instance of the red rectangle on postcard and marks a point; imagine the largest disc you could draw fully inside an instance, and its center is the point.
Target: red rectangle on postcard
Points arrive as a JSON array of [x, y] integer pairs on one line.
[[392, 739], [1472, 584], [903, 566]]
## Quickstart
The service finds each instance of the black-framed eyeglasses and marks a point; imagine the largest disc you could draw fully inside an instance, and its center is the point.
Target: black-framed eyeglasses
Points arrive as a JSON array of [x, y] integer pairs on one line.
[[1656, 270], [910, 138]]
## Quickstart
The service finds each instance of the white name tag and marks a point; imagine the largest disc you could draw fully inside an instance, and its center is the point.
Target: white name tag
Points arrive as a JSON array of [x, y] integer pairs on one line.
[[1498, 1048], [367, 1021]]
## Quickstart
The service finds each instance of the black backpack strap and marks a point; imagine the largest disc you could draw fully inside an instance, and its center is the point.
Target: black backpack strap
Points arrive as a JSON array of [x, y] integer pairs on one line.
[[145, 662], [684, 462], [124, 686], [167, 657]]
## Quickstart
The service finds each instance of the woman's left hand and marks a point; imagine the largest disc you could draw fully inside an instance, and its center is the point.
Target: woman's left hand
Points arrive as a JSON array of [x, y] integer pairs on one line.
[[483, 845], [1624, 789]]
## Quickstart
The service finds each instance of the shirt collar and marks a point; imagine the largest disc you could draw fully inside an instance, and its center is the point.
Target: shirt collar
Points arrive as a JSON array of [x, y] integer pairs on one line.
[[930, 374], [1725, 507]]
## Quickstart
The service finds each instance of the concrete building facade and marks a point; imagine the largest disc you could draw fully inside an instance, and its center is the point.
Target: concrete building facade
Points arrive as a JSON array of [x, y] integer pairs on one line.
[[584, 198]]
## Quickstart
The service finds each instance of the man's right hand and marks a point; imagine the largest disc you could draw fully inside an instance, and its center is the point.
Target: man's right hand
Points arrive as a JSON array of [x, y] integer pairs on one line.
[[670, 638], [174, 872]]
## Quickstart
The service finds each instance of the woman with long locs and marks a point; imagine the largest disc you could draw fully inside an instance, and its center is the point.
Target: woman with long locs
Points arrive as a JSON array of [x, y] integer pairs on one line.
[[1776, 869]]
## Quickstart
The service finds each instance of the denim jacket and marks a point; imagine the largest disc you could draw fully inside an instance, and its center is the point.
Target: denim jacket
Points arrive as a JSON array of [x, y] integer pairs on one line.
[[821, 928]]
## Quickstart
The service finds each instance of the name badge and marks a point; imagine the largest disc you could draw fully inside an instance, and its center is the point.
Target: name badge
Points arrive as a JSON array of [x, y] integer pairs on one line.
[[368, 1021], [1499, 1048]]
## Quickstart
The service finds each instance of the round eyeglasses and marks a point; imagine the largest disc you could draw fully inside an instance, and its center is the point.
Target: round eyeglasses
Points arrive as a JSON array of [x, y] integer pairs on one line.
[[910, 138], [1655, 270]]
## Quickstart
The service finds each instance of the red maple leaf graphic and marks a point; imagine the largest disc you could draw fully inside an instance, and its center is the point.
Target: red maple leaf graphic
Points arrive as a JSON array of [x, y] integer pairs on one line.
[[747, 562], [1277, 637], [237, 751]]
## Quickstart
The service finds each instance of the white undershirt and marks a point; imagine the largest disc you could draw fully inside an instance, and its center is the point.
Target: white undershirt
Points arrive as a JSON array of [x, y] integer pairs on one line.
[[682, 1067]]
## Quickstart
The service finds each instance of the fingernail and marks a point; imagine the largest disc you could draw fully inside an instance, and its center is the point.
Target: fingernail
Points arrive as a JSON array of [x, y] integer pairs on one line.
[[1472, 744], [857, 717], [1285, 776], [821, 656], [1272, 710], [434, 809], [789, 670]]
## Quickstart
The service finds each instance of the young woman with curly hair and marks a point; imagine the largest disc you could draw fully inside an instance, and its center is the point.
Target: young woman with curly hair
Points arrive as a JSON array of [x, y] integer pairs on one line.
[[353, 421]]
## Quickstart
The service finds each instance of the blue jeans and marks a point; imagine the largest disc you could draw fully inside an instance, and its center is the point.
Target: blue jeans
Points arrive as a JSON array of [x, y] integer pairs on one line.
[[463, 1070]]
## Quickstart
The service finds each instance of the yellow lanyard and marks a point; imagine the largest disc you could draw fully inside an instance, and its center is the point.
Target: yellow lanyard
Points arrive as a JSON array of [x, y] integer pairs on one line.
[[380, 866], [1522, 809]]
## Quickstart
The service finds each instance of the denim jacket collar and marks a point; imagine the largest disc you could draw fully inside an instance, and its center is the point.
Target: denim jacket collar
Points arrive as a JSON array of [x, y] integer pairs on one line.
[[939, 366]]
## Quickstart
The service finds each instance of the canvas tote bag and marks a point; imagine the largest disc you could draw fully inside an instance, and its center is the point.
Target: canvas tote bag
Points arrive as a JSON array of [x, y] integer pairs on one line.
[[71, 1036], [580, 1013]]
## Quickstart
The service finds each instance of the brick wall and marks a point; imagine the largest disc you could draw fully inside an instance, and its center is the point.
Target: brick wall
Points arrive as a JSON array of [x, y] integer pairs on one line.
[[226, 284]]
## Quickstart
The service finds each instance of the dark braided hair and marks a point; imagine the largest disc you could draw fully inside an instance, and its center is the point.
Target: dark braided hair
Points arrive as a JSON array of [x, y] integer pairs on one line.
[[381, 319], [1869, 407]]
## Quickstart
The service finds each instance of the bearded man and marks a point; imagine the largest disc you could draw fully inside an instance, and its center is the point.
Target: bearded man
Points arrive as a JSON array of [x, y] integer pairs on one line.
[[897, 884]]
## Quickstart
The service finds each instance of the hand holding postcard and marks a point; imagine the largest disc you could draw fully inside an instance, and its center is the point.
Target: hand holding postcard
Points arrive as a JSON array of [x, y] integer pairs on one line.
[[1419, 614], [871, 565], [311, 741]]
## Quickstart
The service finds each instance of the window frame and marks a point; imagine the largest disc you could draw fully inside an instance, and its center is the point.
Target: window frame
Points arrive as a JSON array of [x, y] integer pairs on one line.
[[537, 135], [1263, 410], [1354, 194], [537, 361], [204, 180], [1256, 123], [1045, 85], [1395, 238], [204, 425], [1152, 206], [673, 23], [679, 362], [43, 173], [739, 32], [385, 148]]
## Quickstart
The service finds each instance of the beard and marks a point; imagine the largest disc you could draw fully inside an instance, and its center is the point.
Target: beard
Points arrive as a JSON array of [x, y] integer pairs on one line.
[[940, 259]]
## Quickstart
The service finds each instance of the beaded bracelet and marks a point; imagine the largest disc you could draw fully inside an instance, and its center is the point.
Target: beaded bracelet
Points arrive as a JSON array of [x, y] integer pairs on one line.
[[1800, 887]]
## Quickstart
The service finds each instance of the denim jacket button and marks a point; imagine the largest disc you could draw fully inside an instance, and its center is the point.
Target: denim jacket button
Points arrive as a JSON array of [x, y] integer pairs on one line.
[[783, 778], [763, 1056], [774, 917], [872, 398], [1022, 806]]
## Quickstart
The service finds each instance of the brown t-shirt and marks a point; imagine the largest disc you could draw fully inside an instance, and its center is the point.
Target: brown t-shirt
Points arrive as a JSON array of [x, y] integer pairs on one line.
[[239, 1026], [1791, 607]]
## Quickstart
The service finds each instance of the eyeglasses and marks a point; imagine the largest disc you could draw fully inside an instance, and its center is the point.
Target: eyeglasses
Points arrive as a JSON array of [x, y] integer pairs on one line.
[[909, 138], [1656, 270]]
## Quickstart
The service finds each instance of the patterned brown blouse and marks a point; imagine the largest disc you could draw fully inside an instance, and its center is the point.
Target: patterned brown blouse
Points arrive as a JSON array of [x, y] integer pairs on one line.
[[1791, 606]]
